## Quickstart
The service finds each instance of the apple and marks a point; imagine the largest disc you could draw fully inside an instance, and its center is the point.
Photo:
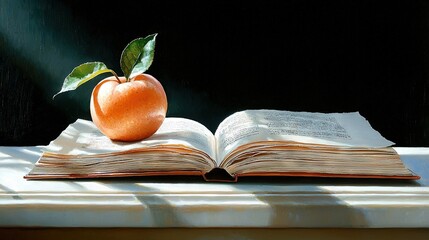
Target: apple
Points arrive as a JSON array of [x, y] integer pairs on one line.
[[128, 111], [131, 107]]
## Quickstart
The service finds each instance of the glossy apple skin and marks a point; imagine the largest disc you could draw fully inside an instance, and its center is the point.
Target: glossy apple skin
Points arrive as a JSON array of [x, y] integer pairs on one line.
[[128, 111]]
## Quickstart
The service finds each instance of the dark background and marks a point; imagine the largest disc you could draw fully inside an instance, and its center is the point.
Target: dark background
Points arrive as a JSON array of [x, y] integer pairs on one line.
[[217, 57]]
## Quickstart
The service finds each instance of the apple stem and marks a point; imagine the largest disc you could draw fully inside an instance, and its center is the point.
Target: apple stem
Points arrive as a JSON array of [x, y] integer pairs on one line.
[[116, 76]]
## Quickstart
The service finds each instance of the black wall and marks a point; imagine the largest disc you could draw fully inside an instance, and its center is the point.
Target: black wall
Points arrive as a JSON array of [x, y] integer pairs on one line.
[[218, 57]]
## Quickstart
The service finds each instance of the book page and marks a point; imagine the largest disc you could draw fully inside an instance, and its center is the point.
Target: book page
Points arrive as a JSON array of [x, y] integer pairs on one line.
[[337, 129], [179, 147], [83, 137]]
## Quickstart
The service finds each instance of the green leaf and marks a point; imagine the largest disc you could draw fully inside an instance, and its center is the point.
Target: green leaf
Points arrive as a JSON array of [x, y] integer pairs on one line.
[[137, 56], [82, 74]]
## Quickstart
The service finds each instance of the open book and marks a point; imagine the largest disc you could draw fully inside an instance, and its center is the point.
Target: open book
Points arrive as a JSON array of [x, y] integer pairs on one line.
[[246, 143]]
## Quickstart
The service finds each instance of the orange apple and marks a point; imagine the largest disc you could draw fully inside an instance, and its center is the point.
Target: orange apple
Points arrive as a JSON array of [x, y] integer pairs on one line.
[[128, 110]]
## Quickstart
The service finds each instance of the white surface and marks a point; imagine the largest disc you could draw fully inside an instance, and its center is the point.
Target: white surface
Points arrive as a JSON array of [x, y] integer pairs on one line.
[[151, 202]]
